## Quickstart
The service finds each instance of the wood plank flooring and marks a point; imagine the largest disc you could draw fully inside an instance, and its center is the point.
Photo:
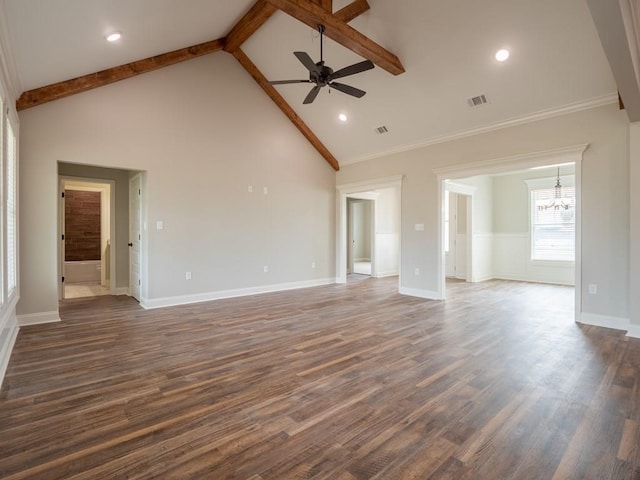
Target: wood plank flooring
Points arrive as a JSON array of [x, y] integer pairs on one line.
[[341, 382]]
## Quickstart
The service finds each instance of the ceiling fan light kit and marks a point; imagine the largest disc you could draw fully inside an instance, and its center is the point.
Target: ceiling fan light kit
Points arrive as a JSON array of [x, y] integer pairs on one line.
[[322, 75]]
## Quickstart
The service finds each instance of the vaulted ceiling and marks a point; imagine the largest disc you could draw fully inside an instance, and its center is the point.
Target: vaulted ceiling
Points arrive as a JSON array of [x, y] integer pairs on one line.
[[557, 62]]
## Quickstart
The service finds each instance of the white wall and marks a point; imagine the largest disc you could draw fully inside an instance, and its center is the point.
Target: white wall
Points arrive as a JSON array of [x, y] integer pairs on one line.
[[203, 132], [481, 234], [387, 226], [512, 232], [605, 196], [634, 238]]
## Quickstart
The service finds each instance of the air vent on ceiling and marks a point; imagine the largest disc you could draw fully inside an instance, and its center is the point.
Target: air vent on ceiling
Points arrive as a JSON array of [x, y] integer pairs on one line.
[[477, 101], [382, 129]]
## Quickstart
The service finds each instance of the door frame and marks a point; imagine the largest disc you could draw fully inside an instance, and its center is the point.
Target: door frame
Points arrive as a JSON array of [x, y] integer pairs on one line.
[[345, 190], [468, 191], [511, 164], [139, 178], [98, 185], [371, 197]]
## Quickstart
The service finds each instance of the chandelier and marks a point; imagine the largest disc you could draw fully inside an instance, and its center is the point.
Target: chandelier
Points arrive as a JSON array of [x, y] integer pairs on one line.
[[558, 202]]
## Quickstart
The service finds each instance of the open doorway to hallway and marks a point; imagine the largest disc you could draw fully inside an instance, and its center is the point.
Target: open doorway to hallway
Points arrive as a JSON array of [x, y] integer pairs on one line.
[[360, 235], [88, 267], [368, 230], [86, 238]]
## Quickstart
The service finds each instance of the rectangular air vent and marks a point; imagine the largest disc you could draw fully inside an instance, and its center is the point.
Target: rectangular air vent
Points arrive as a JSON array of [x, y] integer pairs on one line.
[[477, 101], [382, 129]]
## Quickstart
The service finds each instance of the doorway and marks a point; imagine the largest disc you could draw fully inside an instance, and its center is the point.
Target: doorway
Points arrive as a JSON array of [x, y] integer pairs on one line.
[[87, 259], [360, 235], [487, 237], [457, 227], [135, 235], [118, 226], [381, 201]]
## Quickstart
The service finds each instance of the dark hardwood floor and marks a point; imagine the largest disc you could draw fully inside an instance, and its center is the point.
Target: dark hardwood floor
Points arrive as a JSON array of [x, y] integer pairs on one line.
[[342, 382]]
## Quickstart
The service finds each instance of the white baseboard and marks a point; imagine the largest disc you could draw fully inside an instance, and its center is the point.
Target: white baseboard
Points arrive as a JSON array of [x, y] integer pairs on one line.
[[633, 331], [528, 278], [5, 351], [38, 318], [480, 278], [605, 321], [386, 274], [121, 291], [416, 292], [150, 303]]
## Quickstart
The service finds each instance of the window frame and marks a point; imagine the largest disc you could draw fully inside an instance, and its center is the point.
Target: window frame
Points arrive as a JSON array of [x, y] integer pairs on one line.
[[548, 183], [11, 282]]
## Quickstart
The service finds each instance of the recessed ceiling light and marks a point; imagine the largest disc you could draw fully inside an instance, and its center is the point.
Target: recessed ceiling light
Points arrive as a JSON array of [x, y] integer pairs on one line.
[[113, 37], [502, 55], [343, 117]]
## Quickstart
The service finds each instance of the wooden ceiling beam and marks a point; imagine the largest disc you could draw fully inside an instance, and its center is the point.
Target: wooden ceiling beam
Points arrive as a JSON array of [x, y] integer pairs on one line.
[[351, 11], [314, 15], [257, 75], [327, 5], [55, 91], [248, 24]]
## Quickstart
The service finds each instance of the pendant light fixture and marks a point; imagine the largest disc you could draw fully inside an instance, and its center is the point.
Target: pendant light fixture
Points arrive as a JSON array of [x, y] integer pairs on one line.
[[558, 202]]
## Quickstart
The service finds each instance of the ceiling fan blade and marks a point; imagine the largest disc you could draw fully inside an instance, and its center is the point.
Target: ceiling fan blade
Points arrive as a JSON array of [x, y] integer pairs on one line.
[[349, 90], [306, 60], [353, 69], [286, 82], [311, 96]]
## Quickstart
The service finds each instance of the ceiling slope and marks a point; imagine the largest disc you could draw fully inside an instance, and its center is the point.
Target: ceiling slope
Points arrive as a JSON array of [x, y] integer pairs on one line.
[[617, 24], [65, 88], [557, 61], [337, 30], [273, 94], [248, 24], [313, 14]]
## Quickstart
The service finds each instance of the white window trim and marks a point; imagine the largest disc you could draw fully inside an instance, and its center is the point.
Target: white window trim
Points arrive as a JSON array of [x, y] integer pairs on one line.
[[545, 183], [11, 161]]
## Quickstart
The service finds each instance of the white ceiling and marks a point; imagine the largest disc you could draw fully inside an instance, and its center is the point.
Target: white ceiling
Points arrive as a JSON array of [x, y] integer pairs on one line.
[[447, 49]]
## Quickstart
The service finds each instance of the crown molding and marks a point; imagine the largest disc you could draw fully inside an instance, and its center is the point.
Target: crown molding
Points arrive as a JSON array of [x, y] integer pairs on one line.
[[541, 115]]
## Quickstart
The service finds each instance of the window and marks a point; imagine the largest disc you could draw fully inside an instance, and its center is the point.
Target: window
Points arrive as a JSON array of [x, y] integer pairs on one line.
[[553, 223], [12, 223]]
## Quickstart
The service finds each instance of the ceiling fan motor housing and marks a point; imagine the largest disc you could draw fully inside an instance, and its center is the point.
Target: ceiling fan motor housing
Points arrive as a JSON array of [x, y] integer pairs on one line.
[[323, 76]]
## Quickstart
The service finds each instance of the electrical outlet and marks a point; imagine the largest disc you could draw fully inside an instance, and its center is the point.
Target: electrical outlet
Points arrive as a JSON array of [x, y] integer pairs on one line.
[[593, 289], [266, 269], [250, 188], [416, 271], [265, 190], [187, 275], [313, 264]]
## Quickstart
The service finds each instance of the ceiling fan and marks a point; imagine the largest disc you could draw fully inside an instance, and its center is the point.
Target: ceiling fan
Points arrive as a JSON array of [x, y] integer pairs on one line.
[[322, 75]]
